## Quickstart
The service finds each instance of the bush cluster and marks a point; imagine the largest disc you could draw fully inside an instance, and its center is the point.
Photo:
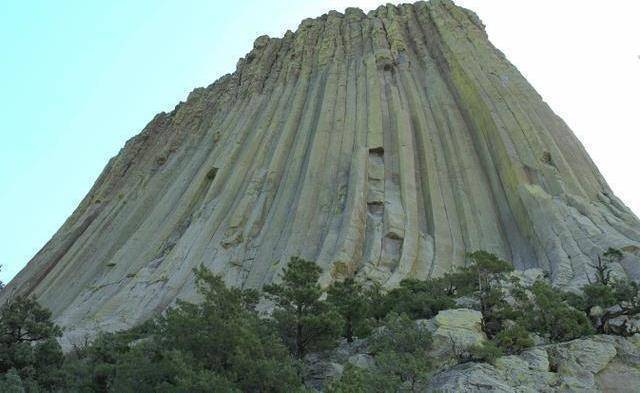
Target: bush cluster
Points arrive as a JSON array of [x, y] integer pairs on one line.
[[222, 344]]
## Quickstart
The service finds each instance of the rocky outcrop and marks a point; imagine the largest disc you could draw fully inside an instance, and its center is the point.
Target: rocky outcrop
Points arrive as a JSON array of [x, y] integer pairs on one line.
[[383, 145], [600, 363], [596, 364], [454, 332]]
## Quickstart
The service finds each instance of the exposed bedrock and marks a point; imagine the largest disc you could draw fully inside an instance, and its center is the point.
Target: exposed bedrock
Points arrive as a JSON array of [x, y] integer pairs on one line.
[[383, 145]]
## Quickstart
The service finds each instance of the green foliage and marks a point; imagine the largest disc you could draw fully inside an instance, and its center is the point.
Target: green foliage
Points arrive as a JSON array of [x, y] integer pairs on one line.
[[513, 339], [603, 265], [28, 344], [348, 299], [224, 334], [222, 345], [352, 380], [218, 345], [550, 315], [482, 279], [24, 320], [621, 295], [613, 254], [487, 268], [487, 271], [400, 349], [377, 307], [594, 294], [508, 323], [305, 322], [401, 361], [627, 295], [486, 352], [424, 299], [11, 382], [418, 299]]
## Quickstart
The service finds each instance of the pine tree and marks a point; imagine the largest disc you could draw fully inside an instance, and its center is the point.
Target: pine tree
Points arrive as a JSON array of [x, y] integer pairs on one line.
[[348, 298], [305, 322], [28, 343]]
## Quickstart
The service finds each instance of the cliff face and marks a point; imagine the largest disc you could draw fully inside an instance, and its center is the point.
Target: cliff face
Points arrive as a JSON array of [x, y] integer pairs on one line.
[[384, 145]]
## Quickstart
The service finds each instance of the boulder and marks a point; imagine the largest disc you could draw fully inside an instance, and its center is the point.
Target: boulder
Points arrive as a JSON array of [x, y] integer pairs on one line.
[[468, 302], [596, 312], [319, 371], [594, 364], [618, 376], [454, 331], [578, 357], [623, 325], [362, 360], [470, 378]]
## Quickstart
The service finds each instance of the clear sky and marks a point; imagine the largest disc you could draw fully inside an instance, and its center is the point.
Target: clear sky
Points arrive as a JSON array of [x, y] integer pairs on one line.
[[78, 78]]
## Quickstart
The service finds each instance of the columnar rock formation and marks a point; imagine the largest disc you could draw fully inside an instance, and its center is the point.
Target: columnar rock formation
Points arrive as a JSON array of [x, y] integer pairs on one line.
[[383, 145]]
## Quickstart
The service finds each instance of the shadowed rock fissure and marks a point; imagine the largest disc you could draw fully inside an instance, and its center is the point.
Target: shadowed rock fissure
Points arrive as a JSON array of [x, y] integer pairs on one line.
[[384, 145]]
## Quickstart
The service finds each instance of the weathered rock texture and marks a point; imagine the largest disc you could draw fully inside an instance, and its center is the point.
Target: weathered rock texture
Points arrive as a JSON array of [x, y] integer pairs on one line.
[[600, 363], [595, 364], [383, 145]]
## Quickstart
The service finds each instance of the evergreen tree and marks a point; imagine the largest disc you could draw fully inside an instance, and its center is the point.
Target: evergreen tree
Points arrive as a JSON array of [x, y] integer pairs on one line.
[[418, 299], [551, 315], [603, 265], [400, 350], [401, 361], [378, 307], [615, 296], [10, 382], [305, 322], [217, 345], [352, 380], [28, 344], [224, 335], [483, 279], [348, 298]]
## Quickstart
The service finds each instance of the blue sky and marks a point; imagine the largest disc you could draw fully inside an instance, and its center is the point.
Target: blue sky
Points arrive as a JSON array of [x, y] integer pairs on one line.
[[78, 78]]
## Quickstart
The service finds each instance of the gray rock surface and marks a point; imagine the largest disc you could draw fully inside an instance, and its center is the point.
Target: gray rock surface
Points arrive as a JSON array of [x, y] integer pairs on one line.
[[625, 325], [383, 145], [454, 332], [600, 363], [595, 364]]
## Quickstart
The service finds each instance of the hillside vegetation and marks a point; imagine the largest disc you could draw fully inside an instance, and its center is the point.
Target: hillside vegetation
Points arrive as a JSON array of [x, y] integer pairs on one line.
[[224, 344]]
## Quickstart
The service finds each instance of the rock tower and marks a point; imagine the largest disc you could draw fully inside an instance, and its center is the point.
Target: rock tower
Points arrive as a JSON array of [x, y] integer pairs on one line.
[[383, 145]]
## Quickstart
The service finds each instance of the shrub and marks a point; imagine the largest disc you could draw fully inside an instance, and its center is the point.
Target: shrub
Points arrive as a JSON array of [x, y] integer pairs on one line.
[[513, 339], [11, 382], [401, 362], [400, 350], [418, 299], [352, 380], [486, 352], [607, 293], [551, 315]]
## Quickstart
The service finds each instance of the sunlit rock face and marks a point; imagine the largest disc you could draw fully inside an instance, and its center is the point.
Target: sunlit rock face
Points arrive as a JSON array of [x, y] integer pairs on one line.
[[383, 145]]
